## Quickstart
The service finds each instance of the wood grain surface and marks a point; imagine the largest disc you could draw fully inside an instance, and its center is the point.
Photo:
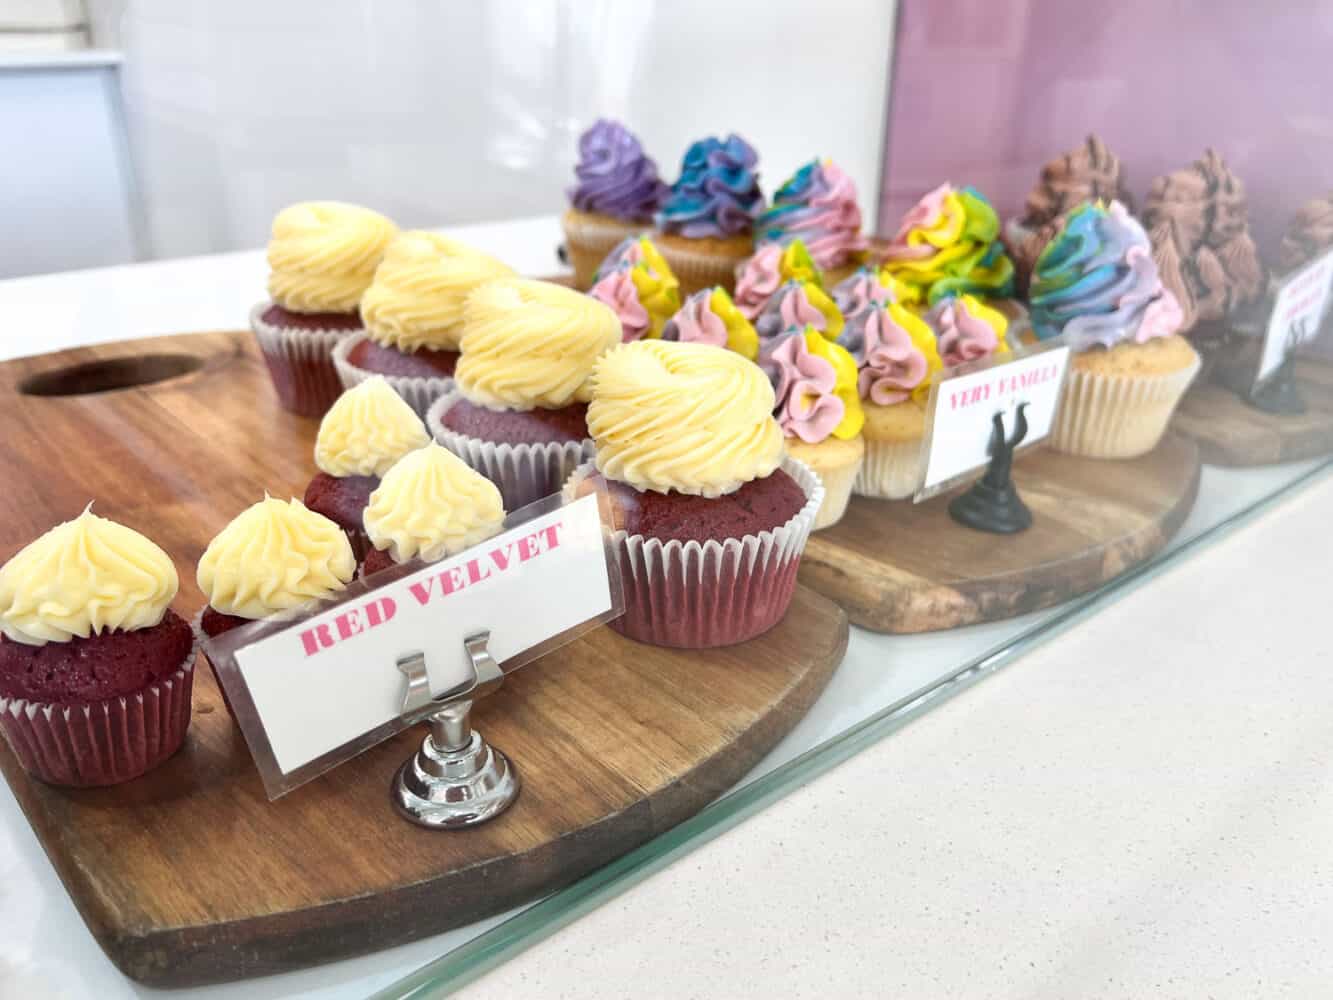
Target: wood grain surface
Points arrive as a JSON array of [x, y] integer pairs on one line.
[[189, 875], [1229, 431], [897, 566]]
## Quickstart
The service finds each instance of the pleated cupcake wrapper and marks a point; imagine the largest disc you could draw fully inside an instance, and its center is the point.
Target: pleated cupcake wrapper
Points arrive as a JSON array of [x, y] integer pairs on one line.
[[588, 241], [417, 391], [102, 742], [1117, 416], [197, 627], [522, 472], [891, 470], [300, 363], [837, 485], [699, 269], [695, 595]]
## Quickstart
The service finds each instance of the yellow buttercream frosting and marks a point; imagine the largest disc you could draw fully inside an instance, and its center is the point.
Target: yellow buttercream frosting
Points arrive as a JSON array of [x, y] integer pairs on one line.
[[273, 557], [529, 344], [323, 254], [416, 298], [432, 504], [366, 430], [685, 417], [82, 578]]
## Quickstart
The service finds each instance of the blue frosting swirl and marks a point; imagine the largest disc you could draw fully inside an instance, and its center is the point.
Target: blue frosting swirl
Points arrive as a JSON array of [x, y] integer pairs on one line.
[[718, 191]]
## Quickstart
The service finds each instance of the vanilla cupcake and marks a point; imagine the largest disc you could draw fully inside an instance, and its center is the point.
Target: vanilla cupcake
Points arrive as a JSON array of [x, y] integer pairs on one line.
[[760, 275], [430, 505], [413, 314], [322, 257], [710, 317], [364, 433], [637, 284], [518, 413], [1096, 285]]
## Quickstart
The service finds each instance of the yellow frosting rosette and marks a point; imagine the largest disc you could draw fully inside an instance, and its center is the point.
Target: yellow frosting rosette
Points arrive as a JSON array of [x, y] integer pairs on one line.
[[367, 430], [323, 255], [844, 386], [741, 335]]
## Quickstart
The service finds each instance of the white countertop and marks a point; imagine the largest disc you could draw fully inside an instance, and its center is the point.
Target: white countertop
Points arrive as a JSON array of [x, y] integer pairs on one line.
[[1136, 807]]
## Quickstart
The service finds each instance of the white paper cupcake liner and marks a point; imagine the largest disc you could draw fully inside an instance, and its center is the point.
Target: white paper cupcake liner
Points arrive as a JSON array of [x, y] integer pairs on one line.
[[1117, 416], [837, 480], [418, 392], [102, 742], [300, 362], [522, 472], [891, 470], [588, 240], [695, 595]]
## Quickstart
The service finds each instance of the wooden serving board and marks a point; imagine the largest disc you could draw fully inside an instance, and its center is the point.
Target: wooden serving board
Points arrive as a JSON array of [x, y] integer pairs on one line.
[[1229, 431], [189, 875], [897, 566]]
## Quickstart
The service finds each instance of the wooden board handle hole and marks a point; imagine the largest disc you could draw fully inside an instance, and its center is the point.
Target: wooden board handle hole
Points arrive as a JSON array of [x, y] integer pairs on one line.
[[110, 375]]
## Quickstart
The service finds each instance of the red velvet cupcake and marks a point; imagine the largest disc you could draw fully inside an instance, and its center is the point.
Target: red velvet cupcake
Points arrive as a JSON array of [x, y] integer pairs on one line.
[[518, 412], [709, 529], [363, 434], [95, 668], [322, 257], [413, 311]]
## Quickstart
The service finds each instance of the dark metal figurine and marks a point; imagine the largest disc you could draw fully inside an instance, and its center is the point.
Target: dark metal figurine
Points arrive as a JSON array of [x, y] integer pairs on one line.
[[992, 504]]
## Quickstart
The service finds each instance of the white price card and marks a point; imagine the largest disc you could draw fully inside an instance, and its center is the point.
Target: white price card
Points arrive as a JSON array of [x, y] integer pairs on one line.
[[312, 691], [962, 406], [1298, 309]]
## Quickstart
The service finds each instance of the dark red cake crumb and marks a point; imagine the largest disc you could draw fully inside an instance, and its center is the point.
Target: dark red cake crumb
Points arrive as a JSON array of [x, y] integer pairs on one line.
[[376, 560], [342, 499], [759, 505], [98, 667], [569, 423], [285, 319], [214, 623], [421, 363]]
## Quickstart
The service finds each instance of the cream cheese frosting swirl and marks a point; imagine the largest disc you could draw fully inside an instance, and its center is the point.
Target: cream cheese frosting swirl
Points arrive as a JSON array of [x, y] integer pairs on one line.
[[323, 255], [432, 505], [684, 417], [273, 557], [366, 430], [417, 296], [82, 578], [529, 344]]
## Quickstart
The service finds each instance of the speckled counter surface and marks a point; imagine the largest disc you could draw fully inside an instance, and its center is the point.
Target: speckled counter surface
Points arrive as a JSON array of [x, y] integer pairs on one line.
[[1142, 807]]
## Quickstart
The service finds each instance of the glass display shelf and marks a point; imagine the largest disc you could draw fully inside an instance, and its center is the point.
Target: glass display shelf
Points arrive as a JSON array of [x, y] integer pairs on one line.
[[885, 682]]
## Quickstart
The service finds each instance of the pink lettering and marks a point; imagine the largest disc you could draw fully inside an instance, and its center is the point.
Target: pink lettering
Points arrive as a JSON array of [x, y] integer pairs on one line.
[[421, 590], [317, 639], [451, 580], [380, 611], [349, 624]]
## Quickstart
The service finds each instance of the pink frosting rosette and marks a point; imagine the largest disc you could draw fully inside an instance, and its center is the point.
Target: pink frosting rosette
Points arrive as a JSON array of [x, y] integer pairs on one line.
[[894, 350], [617, 290], [696, 322], [965, 330], [859, 290], [807, 406], [757, 279]]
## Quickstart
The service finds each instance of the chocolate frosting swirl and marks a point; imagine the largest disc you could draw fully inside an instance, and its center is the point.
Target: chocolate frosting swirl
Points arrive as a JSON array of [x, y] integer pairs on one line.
[[1309, 233], [1088, 173]]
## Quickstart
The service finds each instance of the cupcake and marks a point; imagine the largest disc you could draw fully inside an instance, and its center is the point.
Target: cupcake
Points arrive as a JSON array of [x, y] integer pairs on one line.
[[518, 414], [769, 267], [710, 317], [430, 505], [858, 290], [816, 404], [707, 527], [413, 312], [322, 256], [95, 668], [799, 304], [635, 282], [1096, 285], [706, 225], [1089, 173], [948, 244], [364, 433], [617, 194], [1308, 235], [1198, 224], [272, 558], [817, 205]]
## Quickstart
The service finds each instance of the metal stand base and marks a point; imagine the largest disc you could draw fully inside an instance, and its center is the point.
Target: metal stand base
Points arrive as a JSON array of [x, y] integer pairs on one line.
[[984, 508], [1278, 395], [448, 789]]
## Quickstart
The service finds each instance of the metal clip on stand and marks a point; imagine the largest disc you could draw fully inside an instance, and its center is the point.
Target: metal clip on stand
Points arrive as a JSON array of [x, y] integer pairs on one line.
[[992, 504], [456, 779]]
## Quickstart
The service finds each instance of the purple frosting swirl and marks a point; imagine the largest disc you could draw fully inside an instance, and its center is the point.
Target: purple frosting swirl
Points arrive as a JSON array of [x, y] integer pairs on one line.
[[615, 177]]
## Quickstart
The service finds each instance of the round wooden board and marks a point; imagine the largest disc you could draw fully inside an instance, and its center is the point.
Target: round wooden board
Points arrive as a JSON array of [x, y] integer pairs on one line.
[[189, 875], [901, 567], [1229, 431]]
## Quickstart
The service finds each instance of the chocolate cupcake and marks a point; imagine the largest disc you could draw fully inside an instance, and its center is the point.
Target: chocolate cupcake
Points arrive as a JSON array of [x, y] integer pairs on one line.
[[430, 505], [413, 312], [518, 414], [617, 193], [1308, 235], [364, 433], [707, 528], [95, 668], [322, 256]]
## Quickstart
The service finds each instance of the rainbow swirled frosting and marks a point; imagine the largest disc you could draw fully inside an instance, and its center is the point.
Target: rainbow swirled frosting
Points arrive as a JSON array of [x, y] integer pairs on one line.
[[759, 276], [710, 317], [815, 385], [1096, 283], [948, 244], [717, 194], [817, 205]]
